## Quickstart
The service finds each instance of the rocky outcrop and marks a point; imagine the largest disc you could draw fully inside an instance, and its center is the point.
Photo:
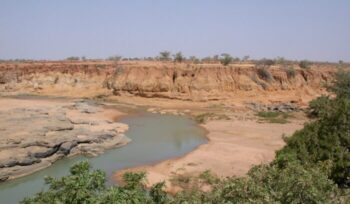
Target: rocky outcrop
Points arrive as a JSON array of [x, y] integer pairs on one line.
[[33, 138], [279, 107]]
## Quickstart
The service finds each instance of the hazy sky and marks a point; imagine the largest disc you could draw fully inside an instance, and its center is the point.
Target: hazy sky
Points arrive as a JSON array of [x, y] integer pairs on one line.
[[295, 29]]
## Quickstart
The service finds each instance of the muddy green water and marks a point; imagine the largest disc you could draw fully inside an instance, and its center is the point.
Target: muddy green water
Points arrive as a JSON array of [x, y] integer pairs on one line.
[[154, 138]]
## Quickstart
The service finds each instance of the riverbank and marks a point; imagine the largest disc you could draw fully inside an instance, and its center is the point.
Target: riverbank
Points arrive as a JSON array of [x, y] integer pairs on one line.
[[37, 132], [234, 147]]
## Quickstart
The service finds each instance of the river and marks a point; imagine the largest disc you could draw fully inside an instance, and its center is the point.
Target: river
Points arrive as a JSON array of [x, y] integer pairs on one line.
[[154, 137]]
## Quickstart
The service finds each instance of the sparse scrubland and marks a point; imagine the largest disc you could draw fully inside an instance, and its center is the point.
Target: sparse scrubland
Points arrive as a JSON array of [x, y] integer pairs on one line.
[[313, 167]]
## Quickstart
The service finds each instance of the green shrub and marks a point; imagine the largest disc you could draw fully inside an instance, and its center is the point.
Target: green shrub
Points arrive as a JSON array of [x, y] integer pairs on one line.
[[264, 74], [194, 59], [178, 57], [304, 64], [341, 84], [225, 59], [115, 58], [164, 56], [266, 62], [319, 107], [73, 58], [291, 73]]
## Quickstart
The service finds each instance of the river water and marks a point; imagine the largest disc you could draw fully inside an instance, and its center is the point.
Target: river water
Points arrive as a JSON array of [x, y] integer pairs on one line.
[[154, 137]]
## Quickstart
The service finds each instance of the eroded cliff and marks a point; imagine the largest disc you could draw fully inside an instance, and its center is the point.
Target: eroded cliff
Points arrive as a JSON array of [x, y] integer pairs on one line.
[[192, 82]]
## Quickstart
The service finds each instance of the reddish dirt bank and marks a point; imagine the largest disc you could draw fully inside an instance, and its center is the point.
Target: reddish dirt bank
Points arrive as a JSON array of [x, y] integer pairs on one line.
[[186, 82]]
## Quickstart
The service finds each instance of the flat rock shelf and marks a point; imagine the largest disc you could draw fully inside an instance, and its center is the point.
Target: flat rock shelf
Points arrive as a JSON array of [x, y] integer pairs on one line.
[[154, 138]]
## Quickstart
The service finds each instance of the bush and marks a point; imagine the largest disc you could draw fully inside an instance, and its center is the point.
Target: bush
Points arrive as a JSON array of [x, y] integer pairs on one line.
[[291, 73], [194, 59], [73, 58], [270, 184], [304, 64], [178, 57], [164, 56], [115, 58], [81, 186], [341, 84], [266, 62], [328, 138], [319, 107], [264, 74], [225, 59]]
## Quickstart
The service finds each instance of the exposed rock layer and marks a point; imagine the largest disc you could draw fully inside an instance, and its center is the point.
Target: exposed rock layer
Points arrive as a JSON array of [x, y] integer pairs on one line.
[[34, 137]]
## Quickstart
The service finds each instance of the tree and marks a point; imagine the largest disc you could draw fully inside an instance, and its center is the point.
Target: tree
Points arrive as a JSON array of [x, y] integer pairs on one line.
[[215, 58], [194, 59], [226, 59], [280, 60], [164, 55], [178, 57], [115, 58], [246, 58], [73, 58]]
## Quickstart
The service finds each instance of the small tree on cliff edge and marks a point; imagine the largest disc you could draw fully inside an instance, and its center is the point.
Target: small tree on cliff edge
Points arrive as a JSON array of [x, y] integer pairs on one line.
[[164, 55], [226, 59], [178, 57]]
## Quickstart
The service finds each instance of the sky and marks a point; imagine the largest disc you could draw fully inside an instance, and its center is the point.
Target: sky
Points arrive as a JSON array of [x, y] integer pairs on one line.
[[294, 29]]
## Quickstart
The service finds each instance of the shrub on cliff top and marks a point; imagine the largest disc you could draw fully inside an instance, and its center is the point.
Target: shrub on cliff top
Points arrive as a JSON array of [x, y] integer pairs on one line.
[[304, 64], [178, 57], [164, 56], [291, 73], [73, 58], [264, 74], [225, 59], [115, 58]]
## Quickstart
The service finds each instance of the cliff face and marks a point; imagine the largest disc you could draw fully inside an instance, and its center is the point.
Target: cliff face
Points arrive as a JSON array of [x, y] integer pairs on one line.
[[164, 80]]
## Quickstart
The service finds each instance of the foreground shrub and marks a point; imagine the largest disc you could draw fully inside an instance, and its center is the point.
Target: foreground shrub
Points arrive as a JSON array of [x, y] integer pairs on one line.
[[323, 140], [319, 107], [341, 84], [270, 184], [81, 186]]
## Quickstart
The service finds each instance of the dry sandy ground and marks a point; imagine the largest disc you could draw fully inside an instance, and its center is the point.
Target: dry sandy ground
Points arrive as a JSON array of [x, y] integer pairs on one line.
[[234, 147]]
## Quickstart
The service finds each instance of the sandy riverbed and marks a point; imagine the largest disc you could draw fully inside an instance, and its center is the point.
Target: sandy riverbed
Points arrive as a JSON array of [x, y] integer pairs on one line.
[[234, 147]]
